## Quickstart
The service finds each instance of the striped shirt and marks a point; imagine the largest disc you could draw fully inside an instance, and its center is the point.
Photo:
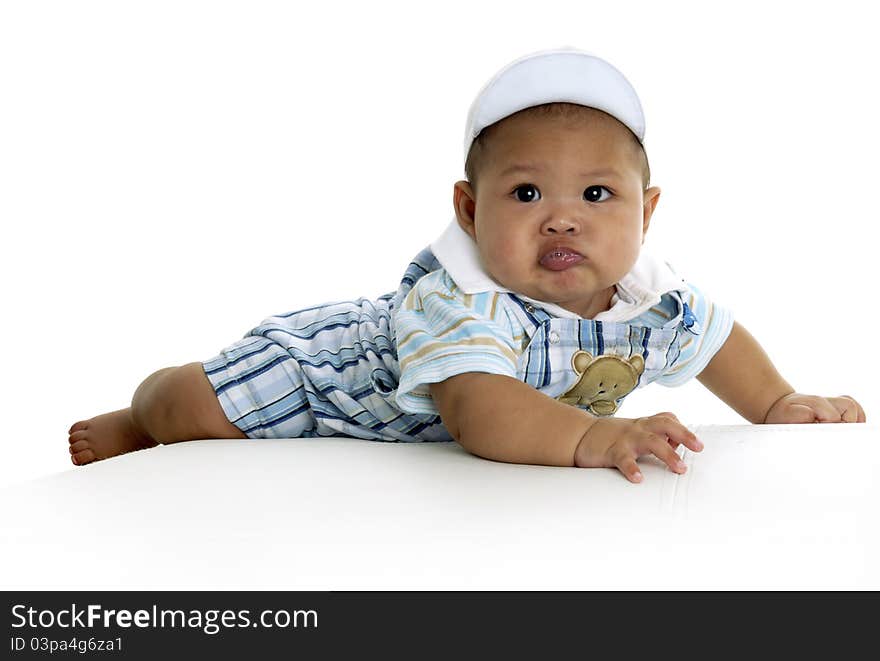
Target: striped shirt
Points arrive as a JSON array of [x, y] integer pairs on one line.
[[441, 332], [363, 367]]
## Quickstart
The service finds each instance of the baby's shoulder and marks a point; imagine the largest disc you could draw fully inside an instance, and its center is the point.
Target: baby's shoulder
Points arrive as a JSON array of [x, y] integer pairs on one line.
[[662, 312], [438, 292], [441, 285], [437, 280]]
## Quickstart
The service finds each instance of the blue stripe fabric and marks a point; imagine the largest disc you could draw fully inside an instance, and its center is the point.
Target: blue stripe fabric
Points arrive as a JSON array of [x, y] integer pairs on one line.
[[362, 367], [326, 370], [709, 326]]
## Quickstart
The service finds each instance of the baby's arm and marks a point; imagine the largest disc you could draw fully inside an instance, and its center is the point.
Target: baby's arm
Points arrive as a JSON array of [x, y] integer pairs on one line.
[[501, 418], [742, 376]]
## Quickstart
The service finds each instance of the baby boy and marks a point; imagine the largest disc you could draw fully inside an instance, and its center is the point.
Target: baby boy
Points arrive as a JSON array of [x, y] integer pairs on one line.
[[518, 333]]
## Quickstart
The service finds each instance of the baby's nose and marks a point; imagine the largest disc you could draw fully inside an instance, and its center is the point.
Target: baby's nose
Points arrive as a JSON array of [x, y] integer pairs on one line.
[[561, 225]]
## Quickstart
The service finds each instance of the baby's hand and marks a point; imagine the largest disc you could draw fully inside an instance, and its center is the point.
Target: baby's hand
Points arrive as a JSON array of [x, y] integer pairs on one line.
[[618, 442], [797, 408]]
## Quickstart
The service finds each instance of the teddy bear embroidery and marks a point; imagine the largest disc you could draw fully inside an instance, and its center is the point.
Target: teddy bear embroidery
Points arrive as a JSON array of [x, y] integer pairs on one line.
[[604, 381]]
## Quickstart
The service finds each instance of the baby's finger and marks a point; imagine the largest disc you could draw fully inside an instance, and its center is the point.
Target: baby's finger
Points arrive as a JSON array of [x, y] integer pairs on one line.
[[846, 407], [824, 409], [678, 434], [630, 469], [849, 409], [798, 413], [667, 414], [660, 448]]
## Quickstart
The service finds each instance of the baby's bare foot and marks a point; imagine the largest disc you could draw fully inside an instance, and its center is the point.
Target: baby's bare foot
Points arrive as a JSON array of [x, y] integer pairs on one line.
[[106, 436]]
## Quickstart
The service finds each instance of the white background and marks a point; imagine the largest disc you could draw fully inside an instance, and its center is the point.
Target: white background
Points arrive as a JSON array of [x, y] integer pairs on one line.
[[173, 172]]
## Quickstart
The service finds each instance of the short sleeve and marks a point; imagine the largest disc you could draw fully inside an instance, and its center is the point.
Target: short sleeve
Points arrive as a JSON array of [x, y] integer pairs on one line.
[[441, 332], [713, 324]]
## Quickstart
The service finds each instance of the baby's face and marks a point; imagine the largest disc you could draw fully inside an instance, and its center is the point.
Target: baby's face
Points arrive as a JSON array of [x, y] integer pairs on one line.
[[582, 193]]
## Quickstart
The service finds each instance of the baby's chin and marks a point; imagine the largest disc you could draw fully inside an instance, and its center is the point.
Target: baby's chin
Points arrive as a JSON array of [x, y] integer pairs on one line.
[[568, 297], [576, 281], [577, 285]]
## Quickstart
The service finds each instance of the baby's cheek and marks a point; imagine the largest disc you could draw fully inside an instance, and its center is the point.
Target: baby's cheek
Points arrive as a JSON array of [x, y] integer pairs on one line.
[[503, 254], [623, 253]]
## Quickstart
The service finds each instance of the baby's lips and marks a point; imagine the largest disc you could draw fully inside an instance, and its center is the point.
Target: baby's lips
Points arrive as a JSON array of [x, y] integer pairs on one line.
[[561, 254]]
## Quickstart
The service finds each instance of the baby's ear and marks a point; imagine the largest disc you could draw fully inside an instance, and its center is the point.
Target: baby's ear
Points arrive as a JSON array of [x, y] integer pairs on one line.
[[651, 196], [464, 201]]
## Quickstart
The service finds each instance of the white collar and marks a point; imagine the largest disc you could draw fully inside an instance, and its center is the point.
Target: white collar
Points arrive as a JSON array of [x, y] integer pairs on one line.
[[637, 292]]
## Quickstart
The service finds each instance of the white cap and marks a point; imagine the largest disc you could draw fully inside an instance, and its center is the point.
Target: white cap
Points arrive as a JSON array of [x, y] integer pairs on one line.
[[561, 74]]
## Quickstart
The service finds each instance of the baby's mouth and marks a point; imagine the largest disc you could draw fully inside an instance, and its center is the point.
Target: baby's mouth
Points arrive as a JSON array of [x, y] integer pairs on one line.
[[560, 259]]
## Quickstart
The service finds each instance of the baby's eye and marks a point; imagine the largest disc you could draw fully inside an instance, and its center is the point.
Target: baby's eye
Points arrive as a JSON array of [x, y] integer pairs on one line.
[[531, 193], [594, 194]]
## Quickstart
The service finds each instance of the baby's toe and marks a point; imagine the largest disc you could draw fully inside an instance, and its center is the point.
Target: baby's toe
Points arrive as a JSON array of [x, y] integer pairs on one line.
[[77, 436], [79, 446], [83, 457], [77, 426]]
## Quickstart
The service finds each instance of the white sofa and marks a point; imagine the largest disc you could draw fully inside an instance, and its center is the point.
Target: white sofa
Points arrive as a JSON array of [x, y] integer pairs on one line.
[[762, 507]]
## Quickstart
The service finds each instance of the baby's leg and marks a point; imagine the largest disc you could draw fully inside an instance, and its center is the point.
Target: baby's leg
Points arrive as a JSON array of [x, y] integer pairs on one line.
[[171, 405]]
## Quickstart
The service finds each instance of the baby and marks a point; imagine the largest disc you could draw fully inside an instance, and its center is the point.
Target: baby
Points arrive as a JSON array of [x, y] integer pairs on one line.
[[517, 333]]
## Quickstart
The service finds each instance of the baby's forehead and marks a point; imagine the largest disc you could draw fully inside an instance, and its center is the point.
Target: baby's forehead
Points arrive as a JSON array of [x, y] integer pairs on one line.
[[567, 112], [585, 121], [593, 143], [588, 142]]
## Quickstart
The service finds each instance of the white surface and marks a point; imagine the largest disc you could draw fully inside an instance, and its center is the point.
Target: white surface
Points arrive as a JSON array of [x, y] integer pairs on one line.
[[163, 164], [762, 507]]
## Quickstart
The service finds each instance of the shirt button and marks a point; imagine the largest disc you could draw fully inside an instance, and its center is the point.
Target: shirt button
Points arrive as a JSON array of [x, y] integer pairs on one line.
[[530, 307], [554, 337]]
